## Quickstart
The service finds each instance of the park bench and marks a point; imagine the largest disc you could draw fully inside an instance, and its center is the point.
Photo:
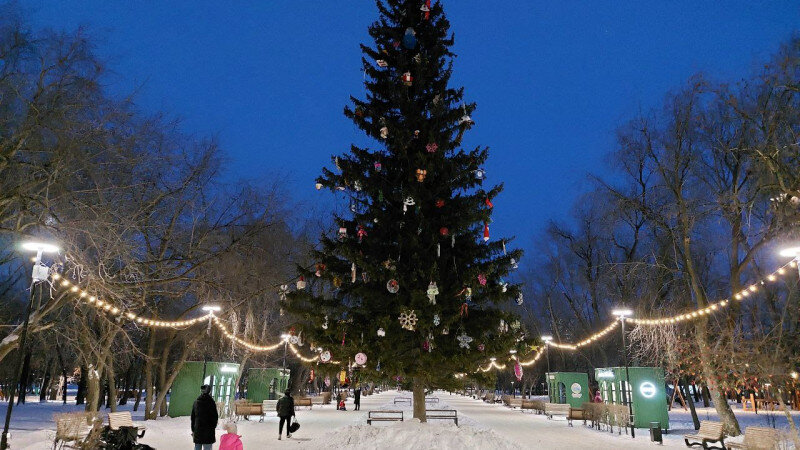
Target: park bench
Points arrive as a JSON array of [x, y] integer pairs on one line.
[[576, 414], [268, 405], [124, 419], [536, 405], [514, 403], [73, 429], [758, 438], [556, 409], [489, 397], [448, 414], [384, 416], [244, 409], [708, 432], [431, 399], [302, 401], [402, 400]]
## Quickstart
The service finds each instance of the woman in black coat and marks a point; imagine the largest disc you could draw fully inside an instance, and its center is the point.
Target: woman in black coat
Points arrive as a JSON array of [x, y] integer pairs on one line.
[[204, 420], [285, 409]]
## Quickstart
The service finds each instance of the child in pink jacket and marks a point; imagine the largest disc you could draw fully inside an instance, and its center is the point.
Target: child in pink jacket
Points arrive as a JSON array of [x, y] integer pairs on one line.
[[230, 440]]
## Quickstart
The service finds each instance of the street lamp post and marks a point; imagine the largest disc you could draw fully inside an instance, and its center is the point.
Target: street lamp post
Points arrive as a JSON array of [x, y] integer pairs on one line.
[[547, 339], [285, 338], [209, 310], [622, 313], [40, 273]]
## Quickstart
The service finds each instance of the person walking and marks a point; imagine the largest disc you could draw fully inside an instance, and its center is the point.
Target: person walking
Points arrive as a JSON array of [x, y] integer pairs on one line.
[[285, 409], [204, 419], [357, 398]]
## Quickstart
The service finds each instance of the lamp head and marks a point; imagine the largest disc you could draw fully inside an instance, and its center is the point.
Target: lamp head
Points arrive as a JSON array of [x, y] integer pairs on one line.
[[547, 338], [285, 337], [790, 252], [622, 312], [39, 247], [212, 308]]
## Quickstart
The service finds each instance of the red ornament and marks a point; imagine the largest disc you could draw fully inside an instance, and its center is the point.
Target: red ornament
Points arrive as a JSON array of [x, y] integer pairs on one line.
[[444, 231], [439, 203], [361, 232], [481, 347], [426, 9], [489, 203], [432, 147], [408, 80], [464, 309], [482, 279], [486, 231]]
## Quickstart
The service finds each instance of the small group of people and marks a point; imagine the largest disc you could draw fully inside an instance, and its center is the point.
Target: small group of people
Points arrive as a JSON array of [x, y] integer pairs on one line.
[[204, 420], [356, 400]]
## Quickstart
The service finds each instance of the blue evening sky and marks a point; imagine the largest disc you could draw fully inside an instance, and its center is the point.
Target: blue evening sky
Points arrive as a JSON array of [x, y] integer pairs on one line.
[[552, 79]]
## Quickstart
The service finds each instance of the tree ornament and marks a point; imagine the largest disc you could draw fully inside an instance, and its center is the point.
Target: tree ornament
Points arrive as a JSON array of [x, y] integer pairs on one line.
[[382, 63], [445, 331], [337, 282], [439, 203], [342, 233], [490, 205], [433, 291], [392, 286], [384, 132], [466, 119], [453, 241], [464, 340], [426, 9], [362, 232], [319, 269], [311, 376], [409, 201], [480, 174], [485, 231], [482, 279], [301, 283], [294, 340], [416, 134], [518, 371], [514, 264], [409, 39], [503, 285], [481, 347], [381, 333], [364, 276], [318, 186], [389, 264], [377, 166], [408, 80], [327, 381], [336, 163], [444, 231], [429, 343], [408, 320], [515, 325], [519, 299], [467, 293], [432, 147], [421, 174], [503, 328], [438, 250], [464, 310], [325, 324], [436, 320], [357, 186], [283, 291], [353, 273], [344, 336], [361, 359], [325, 356], [378, 367]]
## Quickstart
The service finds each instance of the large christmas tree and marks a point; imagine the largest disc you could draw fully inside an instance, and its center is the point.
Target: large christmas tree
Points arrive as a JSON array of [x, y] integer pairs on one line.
[[411, 277]]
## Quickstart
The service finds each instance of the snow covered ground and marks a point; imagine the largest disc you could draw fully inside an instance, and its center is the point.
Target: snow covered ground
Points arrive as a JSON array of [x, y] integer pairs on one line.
[[482, 426]]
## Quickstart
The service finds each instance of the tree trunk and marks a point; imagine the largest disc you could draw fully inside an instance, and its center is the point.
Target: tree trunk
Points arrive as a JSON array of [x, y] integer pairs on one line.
[[63, 371], [726, 416], [80, 395], [148, 378], [139, 385], [112, 386], [23, 379], [689, 400], [127, 387], [46, 378], [92, 388], [704, 392], [419, 400]]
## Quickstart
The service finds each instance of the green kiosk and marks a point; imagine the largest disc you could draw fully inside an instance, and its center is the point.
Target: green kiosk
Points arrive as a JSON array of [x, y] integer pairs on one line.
[[186, 388], [648, 393], [266, 384], [568, 387]]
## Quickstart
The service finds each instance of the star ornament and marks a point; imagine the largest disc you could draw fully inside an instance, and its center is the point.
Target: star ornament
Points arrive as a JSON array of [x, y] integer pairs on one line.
[[464, 340]]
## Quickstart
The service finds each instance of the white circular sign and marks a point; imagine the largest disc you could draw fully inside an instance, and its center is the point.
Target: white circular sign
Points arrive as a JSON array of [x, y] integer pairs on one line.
[[647, 389], [361, 359], [576, 390], [325, 356]]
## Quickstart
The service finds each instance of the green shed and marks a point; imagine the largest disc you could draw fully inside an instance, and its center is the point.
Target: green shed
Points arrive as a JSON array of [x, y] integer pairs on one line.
[[568, 387], [648, 393], [266, 384], [186, 388]]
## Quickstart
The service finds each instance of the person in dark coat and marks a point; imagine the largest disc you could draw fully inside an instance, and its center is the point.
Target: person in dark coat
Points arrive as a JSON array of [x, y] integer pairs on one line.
[[357, 398], [204, 420], [285, 409]]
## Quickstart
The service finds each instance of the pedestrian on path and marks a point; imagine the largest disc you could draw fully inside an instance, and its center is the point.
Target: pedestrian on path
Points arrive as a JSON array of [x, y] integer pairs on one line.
[[285, 409], [357, 398], [230, 440], [204, 420]]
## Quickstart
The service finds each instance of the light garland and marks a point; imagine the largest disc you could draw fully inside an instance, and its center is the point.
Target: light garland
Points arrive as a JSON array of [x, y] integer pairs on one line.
[[493, 364]]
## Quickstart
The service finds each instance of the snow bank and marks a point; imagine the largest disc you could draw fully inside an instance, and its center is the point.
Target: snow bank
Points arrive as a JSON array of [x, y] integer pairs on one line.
[[413, 434]]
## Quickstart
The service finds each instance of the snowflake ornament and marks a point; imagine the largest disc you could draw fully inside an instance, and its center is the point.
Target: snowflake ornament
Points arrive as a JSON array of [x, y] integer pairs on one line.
[[408, 320], [283, 291], [436, 320], [464, 340], [519, 299]]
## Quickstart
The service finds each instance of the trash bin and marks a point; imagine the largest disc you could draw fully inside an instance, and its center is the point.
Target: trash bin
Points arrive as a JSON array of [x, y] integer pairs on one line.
[[655, 432]]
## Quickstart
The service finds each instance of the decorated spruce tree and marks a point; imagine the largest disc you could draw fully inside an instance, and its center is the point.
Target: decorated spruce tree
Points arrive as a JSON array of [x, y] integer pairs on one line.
[[410, 285]]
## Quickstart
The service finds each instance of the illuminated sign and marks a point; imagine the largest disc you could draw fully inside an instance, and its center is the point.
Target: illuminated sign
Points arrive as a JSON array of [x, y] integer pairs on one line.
[[576, 390], [605, 374], [647, 389], [228, 369]]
